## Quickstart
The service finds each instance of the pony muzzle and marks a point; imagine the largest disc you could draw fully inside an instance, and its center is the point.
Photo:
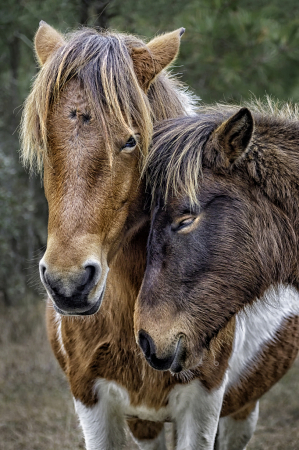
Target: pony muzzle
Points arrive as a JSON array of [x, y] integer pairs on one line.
[[76, 292], [172, 359]]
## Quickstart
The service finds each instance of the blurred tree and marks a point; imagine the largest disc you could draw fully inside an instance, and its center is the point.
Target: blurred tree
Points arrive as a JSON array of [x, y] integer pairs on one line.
[[98, 13], [231, 48], [23, 208]]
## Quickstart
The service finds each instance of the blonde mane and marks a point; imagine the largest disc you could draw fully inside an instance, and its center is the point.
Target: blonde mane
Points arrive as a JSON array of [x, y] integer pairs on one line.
[[102, 63], [174, 163]]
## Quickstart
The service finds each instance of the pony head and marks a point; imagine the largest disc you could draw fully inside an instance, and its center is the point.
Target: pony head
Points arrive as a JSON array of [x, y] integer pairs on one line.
[[87, 124], [217, 239]]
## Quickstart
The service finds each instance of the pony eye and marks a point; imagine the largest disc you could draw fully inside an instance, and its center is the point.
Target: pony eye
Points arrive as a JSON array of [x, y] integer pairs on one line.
[[130, 144], [186, 222]]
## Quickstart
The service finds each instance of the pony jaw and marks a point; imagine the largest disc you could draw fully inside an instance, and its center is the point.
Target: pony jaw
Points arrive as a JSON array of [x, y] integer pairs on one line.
[[96, 303]]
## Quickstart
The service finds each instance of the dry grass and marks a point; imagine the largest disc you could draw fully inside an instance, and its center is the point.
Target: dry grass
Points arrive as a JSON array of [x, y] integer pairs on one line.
[[36, 409]]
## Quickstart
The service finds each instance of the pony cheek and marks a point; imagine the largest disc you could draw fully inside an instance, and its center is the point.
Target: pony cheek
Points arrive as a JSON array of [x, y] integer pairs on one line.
[[194, 360], [194, 354]]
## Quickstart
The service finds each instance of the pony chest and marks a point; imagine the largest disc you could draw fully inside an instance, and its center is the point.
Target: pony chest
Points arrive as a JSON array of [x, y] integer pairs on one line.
[[115, 394], [112, 396]]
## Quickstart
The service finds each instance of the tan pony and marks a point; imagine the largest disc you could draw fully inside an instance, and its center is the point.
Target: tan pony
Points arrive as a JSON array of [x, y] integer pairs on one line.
[[88, 123]]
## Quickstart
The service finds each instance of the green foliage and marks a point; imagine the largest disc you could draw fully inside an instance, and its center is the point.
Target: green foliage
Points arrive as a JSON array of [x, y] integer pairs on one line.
[[230, 50], [243, 47]]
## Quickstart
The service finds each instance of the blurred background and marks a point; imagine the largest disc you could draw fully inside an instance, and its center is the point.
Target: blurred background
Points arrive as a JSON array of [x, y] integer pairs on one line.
[[231, 50]]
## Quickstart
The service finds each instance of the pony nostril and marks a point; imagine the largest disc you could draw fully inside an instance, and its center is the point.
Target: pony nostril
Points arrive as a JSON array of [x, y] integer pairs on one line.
[[173, 359], [92, 274], [146, 343], [87, 278], [46, 279], [42, 271]]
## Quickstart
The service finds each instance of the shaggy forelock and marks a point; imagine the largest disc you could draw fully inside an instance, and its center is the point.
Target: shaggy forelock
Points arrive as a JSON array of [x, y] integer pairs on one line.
[[174, 163], [101, 62]]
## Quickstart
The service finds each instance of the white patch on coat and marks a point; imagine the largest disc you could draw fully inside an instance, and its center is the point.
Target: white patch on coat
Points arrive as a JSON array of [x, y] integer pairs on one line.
[[59, 333], [195, 411], [257, 325], [104, 424]]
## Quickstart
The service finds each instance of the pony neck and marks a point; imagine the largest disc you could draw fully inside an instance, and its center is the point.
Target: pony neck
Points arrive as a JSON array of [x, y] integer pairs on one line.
[[273, 163], [275, 168]]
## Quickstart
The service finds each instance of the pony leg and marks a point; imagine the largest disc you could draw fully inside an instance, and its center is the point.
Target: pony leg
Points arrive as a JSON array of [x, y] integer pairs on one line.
[[148, 435], [174, 436], [235, 431], [196, 413], [103, 425]]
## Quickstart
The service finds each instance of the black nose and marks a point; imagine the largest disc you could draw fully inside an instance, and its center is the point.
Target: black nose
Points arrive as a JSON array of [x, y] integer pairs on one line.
[[147, 344], [149, 349], [70, 294]]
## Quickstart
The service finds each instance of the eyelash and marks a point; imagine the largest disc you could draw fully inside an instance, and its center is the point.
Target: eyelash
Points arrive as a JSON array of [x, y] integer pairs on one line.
[[183, 223]]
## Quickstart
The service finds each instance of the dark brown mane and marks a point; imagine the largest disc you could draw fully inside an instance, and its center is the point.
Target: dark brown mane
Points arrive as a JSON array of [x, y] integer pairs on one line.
[[174, 162], [102, 62]]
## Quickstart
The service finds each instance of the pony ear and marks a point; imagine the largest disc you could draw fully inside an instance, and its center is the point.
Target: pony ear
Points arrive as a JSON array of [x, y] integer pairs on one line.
[[149, 61], [233, 136], [46, 41]]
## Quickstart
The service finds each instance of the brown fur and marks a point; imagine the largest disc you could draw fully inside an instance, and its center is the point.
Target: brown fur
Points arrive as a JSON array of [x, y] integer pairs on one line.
[[95, 59], [159, 53], [244, 412], [144, 429], [215, 359], [176, 169]]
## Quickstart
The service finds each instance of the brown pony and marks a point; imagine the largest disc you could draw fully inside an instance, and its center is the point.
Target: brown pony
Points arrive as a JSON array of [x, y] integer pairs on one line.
[[221, 282], [88, 123]]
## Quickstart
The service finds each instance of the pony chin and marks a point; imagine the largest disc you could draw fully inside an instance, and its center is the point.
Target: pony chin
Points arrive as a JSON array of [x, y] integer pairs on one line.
[[94, 308]]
